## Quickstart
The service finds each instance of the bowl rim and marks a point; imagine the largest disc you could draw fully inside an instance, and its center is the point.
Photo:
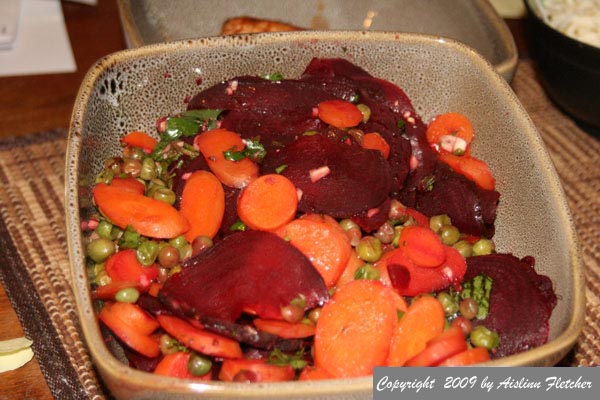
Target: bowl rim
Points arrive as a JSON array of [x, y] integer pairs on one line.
[[108, 364], [505, 67]]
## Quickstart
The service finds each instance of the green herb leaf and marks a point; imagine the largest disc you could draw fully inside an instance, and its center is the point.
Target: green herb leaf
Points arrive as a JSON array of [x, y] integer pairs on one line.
[[296, 360], [400, 123], [238, 226], [274, 76], [254, 150], [234, 155], [480, 290], [281, 168]]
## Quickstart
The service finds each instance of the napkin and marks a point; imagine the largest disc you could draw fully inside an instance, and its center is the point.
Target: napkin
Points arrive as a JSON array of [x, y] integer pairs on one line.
[[41, 44]]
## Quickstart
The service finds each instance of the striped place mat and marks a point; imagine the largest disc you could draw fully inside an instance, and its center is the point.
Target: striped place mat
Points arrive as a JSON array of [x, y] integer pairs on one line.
[[35, 266]]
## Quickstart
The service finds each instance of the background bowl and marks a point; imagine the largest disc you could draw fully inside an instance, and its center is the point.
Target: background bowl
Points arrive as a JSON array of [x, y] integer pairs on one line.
[[475, 23], [129, 90], [570, 69]]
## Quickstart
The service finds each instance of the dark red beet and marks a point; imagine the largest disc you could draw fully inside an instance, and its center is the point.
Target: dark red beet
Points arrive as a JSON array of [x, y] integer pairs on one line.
[[250, 270], [370, 220], [521, 301], [358, 179]]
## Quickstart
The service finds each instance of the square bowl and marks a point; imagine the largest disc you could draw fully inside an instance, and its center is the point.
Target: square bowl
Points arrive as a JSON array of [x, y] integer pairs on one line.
[[475, 23], [129, 90]]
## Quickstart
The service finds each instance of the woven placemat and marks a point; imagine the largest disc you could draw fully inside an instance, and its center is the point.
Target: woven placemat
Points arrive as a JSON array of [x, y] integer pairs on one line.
[[34, 261]]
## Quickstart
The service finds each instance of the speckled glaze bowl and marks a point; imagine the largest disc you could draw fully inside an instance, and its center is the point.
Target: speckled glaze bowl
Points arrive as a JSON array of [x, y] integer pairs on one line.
[[131, 89]]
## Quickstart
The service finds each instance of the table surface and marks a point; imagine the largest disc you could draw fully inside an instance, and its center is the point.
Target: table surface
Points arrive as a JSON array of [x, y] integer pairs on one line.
[[42, 102]]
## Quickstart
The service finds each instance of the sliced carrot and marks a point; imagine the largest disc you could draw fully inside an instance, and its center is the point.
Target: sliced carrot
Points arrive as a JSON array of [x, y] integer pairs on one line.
[[446, 344], [354, 329], [123, 266], [254, 371], [374, 141], [154, 289], [108, 292], [128, 184], [213, 145], [202, 204], [422, 246], [423, 320], [312, 373], [347, 276], [339, 113], [268, 202], [472, 168], [202, 341], [285, 329], [330, 221], [449, 124], [140, 139], [175, 365], [326, 247], [471, 356], [149, 217], [132, 326]]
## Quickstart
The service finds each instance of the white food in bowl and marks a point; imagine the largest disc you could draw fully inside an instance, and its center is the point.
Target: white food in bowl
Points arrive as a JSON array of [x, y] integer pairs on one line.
[[578, 19]]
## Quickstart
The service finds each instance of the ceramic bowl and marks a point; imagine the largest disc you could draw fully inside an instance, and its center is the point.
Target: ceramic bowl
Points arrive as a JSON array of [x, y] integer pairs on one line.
[[570, 69], [475, 23], [129, 90]]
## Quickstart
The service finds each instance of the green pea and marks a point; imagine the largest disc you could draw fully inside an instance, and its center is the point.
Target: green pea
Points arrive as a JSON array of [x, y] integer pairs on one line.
[[483, 337], [147, 252], [198, 365], [201, 243], [132, 167], [106, 230], [178, 242], [102, 278], [464, 248], [397, 231], [168, 256], [448, 302], [449, 234], [164, 194], [299, 301], [314, 314], [168, 345], [100, 249], [367, 271], [437, 221], [348, 224], [133, 152], [365, 110], [483, 247], [148, 169], [127, 295], [369, 249]]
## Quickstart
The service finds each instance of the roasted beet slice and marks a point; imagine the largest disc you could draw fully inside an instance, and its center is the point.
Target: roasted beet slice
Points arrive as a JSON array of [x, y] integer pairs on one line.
[[335, 178], [472, 210], [521, 301], [373, 218], [251, 270]]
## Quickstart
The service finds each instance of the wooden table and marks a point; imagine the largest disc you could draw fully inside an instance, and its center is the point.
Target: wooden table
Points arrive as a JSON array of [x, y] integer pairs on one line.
[[42, 102]]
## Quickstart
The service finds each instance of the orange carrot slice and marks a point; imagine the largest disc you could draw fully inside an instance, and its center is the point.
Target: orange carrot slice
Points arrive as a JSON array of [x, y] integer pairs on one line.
[[472, 168], [213, 144], [339, 113], [128, 184], [471, 356], [149, 217], [446, 344], [203, 204], [326, 219], [326, 247], [140, 139], [175, 365], [424, 319], [312, 373], [268, 202], [132, 326], [450, 124], [360, 317], [202, 341], [123, 266], [347, 276], [374, 141], [254, 371], [422, 246], [285, 329]]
